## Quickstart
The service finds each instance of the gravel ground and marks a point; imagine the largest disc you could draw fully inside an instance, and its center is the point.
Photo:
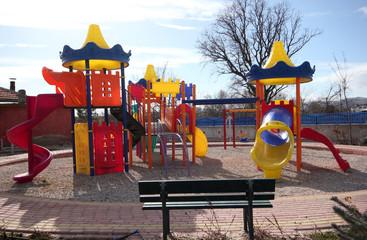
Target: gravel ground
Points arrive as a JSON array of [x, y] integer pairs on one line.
[[320, 174]]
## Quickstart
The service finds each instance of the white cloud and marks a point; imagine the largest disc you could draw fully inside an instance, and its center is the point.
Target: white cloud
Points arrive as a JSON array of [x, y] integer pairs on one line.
[[357, 75], [23, 45], [72, 14], [363, 10], [175, 57], [176, 26]]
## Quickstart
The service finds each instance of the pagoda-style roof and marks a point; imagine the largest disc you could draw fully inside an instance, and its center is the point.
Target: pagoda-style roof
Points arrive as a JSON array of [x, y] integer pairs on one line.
[[280, 74], [279, 69], [96, 50]]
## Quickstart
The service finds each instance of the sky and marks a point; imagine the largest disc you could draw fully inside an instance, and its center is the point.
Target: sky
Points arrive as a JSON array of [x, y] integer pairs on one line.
[[32, 33]]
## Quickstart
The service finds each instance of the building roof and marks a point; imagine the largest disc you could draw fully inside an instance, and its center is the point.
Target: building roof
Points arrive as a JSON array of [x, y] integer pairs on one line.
[[8, 96]]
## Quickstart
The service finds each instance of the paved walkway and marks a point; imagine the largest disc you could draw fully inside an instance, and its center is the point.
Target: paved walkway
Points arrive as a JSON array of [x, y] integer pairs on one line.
[[294, 215], [68, 218]]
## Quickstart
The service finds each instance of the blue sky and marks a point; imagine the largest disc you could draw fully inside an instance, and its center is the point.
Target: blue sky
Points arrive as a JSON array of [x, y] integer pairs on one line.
[[32, 33]]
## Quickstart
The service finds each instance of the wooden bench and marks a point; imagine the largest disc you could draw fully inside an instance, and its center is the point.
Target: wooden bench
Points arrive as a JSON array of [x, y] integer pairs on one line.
[[207, 194]]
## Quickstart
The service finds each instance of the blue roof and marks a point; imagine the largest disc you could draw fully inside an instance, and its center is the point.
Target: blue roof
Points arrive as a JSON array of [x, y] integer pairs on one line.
[[280, 73], [92, 51]]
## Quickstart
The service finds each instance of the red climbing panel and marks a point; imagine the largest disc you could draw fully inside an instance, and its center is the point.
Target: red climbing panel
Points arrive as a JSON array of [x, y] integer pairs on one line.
[[71, 84], [108, 148], [105, 89], [137, 91]]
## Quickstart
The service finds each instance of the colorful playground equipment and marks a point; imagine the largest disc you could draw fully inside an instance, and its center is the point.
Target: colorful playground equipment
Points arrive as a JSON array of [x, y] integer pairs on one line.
[[275, 129], [107, 147], [38, 108], [167, 94], [102, 148]]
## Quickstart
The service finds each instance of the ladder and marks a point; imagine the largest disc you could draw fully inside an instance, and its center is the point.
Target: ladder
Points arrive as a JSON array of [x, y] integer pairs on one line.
[[172, 143]]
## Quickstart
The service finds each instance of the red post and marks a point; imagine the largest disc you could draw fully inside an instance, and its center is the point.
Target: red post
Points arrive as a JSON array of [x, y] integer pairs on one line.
[[149, 115], [183, 112], [233, 131], [194, 125], [298, 130]]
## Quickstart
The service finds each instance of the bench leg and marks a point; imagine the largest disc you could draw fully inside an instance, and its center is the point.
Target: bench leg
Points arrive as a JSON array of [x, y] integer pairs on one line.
[[166, 228], [250, 224], [245, 220]]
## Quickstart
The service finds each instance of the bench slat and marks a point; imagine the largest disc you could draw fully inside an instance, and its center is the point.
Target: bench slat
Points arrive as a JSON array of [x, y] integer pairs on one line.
[[206, 205], [207, 186], [206, 197]]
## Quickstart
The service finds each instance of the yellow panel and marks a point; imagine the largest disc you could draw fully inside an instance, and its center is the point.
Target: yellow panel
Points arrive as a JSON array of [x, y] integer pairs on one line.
[[281, 81], [166, 88], [82, 148], [95, 64]]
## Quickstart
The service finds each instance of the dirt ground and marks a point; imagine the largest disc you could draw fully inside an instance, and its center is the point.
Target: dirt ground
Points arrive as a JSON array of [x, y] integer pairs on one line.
[[320, 174]]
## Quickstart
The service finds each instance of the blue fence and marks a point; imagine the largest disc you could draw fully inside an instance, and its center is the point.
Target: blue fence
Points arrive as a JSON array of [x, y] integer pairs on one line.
[[306, 119]]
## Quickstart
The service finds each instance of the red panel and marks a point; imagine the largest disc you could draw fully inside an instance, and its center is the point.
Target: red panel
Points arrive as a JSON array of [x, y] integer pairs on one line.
[[137, 91], [108, 148], [71, 84]]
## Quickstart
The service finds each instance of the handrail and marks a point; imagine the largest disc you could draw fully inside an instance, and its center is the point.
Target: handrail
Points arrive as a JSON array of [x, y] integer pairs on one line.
[[139, 111]]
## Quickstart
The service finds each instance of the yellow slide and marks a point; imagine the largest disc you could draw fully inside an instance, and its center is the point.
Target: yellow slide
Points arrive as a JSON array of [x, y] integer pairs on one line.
[[269, 157], [201, 142]]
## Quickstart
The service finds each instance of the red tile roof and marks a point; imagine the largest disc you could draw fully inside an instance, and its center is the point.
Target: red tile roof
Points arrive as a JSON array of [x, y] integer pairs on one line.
[[7, 96]]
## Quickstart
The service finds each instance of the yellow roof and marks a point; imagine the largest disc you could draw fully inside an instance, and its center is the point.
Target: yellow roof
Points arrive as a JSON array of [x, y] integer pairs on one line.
[[278, 54], [95, 35], [150, 74]]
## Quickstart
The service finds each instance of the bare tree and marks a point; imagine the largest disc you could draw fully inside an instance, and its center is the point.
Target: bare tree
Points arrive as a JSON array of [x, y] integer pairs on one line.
[[341, 70], [328, 98], [243, 34]]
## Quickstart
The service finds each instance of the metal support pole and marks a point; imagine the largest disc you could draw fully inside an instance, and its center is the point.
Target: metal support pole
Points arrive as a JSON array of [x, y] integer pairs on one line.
[[124, 117], [72, 115], [90, 120]]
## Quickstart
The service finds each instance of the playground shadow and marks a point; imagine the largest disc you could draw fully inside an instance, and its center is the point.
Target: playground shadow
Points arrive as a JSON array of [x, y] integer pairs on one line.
[[322, 179]]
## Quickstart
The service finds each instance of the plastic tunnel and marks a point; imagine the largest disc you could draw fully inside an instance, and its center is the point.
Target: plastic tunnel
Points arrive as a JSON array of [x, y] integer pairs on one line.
[[274, 142]]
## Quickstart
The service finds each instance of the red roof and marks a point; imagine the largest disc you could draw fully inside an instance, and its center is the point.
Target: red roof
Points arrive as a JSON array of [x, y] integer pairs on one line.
[[8, 96]]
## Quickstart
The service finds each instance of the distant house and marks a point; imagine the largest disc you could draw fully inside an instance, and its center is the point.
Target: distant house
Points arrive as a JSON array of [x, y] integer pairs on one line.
[[360, 108], [55, 129]]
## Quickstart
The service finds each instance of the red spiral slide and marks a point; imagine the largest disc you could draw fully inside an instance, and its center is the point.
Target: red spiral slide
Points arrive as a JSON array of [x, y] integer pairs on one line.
[[39, 158]]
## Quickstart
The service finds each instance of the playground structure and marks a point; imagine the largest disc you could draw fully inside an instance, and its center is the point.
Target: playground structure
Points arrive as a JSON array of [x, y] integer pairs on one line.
[[277, 124], [102, 148]]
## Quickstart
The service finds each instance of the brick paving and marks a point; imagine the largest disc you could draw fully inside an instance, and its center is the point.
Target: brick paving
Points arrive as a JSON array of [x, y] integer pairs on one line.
[[294, 215], [69, 218]]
